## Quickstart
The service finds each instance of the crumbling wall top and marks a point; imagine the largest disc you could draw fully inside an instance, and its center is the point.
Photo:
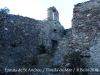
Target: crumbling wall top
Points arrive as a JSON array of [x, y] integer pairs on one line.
[[53, 14], [53, 9]]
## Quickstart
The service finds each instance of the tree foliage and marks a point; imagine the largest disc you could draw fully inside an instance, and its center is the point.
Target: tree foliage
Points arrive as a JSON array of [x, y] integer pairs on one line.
[[4, 10], [42, 49], [77, 63]]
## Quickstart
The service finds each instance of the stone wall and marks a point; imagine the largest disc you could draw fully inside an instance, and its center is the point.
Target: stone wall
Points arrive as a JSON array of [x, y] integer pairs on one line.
[[16, 40], [48, 31], [53, 14], [21, 37], [86, 31]]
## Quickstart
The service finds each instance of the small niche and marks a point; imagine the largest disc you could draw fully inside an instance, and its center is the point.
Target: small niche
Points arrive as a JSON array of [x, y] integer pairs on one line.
[[55, 30], [54, 10], [13, 45], [2, 45]]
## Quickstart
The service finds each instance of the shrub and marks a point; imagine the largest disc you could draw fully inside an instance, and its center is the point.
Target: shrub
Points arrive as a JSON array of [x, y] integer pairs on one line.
[[76, 62], [4, 10], [34, 62], [64, 32], [42, 49]]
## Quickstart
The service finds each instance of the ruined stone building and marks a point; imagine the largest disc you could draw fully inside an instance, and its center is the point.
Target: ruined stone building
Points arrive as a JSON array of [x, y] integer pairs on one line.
[[53, 14], [21, 39]]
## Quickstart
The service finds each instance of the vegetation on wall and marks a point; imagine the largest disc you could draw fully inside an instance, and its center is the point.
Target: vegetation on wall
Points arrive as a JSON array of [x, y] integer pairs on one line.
[[77, 63], [42, 49], [4, 10], [64, 32], [34, 62]]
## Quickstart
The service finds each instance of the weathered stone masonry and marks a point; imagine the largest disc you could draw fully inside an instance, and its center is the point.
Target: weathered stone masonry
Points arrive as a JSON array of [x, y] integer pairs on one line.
[[53, 14], [86, 31], [20, 38]]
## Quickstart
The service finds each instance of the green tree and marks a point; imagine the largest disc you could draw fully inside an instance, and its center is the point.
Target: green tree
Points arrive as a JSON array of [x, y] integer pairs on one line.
[[4, 10], [77, 63]]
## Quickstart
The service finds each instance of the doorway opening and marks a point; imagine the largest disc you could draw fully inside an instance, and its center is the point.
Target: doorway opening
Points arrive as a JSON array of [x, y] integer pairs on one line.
[[54, 44]]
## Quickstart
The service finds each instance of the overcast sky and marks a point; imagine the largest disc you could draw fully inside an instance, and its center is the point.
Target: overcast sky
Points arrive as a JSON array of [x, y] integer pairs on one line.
[[37, 9]]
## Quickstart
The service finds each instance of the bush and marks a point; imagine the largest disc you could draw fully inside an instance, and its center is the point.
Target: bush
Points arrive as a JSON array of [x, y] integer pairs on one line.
[[34, 62], [64, 32], [42, 49], [4, 10], [76, 62]]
